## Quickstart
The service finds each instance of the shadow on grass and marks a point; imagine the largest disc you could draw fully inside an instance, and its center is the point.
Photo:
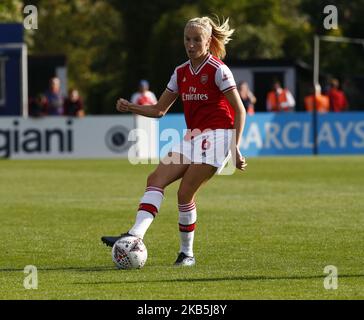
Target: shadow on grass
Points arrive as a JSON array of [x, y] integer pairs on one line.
[[80, 269], [237, 278], [207, 279]]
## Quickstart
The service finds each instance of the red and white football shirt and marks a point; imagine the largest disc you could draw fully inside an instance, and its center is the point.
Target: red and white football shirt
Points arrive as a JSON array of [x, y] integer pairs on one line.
[[202, 93]]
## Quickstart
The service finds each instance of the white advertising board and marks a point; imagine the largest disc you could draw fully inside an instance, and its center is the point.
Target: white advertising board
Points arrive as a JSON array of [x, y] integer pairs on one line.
[[88, 137]]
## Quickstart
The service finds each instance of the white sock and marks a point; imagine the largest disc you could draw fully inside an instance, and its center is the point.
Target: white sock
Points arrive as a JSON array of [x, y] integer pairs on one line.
[[187, 224], [148, 209]]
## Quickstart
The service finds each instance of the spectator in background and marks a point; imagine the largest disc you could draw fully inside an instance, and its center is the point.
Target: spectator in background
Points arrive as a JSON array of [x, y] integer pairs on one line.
[[38, 106], [54, 98], [279, 99], [338, 101], [317, 99], [73, 104], [144, 96], [247, 97]]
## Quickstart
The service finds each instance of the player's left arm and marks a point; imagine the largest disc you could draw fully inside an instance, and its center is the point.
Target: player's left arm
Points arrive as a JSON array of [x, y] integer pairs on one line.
[[239, 121], [240, 113]]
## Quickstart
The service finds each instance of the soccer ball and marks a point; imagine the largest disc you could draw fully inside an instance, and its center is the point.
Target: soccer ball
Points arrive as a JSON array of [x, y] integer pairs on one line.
[[129, 253]]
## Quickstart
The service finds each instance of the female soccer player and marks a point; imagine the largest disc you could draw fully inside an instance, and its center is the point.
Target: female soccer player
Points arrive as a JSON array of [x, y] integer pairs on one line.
[[215, 118]]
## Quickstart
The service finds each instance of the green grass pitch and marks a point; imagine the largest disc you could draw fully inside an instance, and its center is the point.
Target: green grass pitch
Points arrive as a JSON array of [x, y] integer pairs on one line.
[[264, 234]]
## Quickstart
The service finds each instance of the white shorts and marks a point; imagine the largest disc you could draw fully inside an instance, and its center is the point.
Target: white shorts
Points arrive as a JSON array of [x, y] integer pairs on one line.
[[211, 147]]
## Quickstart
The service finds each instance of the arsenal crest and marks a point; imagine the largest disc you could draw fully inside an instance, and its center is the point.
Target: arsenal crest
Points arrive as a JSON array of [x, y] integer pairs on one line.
[[204, 78]]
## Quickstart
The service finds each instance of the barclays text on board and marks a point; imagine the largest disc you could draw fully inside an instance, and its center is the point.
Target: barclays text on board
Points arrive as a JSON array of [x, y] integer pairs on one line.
[[292, 134], [287, 135]]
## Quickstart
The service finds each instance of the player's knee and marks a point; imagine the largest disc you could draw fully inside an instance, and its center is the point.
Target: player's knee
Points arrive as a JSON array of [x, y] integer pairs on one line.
[[154, 180], [185, 195]]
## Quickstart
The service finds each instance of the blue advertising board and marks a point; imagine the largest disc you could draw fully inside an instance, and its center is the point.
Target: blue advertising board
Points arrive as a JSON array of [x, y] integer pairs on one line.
[[13, 60], [278, 134], [267, 134], [341, 133], [11, 32]]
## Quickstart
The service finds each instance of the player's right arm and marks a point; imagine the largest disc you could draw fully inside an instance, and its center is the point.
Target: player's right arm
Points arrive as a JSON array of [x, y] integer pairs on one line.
[[157, 110]]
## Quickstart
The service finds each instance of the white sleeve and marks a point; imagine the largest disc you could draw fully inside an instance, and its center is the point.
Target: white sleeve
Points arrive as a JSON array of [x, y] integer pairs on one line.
[[154, 98], [290, 100], [134, 97], [172, 85], [224, 79]]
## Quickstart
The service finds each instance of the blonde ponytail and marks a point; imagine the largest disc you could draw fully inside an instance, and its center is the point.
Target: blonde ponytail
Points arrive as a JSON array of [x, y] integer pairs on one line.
[[220, 33]]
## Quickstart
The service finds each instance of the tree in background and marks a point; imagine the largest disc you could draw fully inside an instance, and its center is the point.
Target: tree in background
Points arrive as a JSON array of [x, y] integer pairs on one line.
[[11, 11], [88, 33], [340, 60], [111, 44], [139, 21]]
